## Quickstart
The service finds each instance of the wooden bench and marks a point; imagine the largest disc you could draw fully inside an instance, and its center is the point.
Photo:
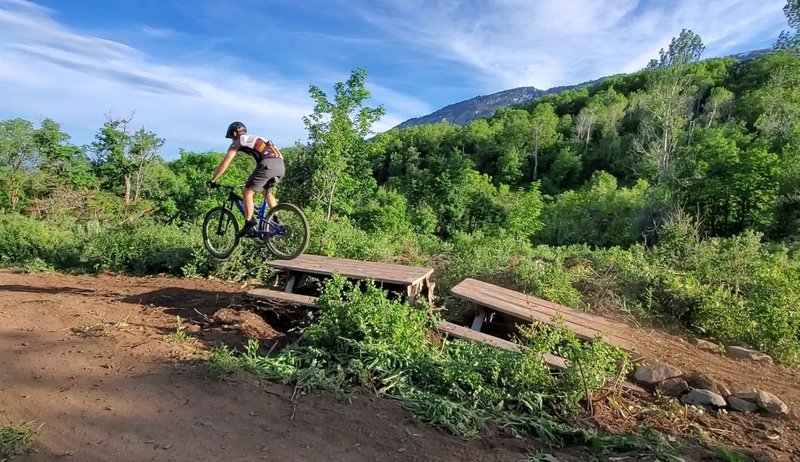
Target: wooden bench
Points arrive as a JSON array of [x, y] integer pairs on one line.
[[491, 298], [554, 362], [293, 299], [465, 333], [415, 281]]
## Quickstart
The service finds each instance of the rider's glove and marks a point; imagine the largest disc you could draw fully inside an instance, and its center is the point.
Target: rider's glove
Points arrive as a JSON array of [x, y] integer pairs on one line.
[[212, 184]]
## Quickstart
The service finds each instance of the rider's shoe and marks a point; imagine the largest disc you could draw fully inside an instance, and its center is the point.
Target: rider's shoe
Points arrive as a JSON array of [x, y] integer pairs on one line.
[[249, 230]]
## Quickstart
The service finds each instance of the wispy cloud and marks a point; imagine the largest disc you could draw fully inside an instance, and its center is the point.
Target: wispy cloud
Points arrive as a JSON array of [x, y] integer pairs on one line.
[[51, 70], [159, 32], [510, 43]]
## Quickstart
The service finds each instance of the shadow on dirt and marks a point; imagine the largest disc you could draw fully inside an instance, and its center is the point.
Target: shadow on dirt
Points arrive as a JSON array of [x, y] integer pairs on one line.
[[46, 290]]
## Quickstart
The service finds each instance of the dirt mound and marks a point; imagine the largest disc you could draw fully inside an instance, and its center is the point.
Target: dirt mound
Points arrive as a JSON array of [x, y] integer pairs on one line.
[[244, 325]]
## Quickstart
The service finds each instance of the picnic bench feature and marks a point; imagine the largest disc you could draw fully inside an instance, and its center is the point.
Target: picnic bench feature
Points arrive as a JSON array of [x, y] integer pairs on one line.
[[414, 281], [554, 362], [290, 298], [490, 298]]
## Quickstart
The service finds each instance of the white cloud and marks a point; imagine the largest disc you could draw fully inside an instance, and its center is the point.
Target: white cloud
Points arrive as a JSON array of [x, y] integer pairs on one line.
[[50, 70], [547, 43], [159, 32]]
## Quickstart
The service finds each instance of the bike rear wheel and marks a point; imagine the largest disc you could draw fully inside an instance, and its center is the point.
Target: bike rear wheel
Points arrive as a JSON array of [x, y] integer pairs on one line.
[[220, 230], [288, 237]]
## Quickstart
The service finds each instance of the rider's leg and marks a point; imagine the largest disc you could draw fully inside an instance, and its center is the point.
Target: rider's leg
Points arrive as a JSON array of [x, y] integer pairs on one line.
[[256, 182]]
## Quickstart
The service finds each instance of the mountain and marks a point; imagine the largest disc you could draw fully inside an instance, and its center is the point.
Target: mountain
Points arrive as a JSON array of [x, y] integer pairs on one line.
[[484, 106]]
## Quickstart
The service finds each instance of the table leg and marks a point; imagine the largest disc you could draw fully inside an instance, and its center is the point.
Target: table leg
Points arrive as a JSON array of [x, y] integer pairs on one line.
[[477, 322], [290, 279]]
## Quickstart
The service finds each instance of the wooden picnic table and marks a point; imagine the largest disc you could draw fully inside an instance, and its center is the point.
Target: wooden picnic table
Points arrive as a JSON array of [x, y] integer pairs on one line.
[[491, 298], [414, 281]]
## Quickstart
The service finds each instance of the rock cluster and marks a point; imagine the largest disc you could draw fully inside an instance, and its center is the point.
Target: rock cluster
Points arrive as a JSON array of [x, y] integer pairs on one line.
[[702, 390]]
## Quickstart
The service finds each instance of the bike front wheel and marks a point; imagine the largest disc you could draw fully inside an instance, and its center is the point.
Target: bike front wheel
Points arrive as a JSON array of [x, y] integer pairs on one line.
[[288, 231], [220, 230]]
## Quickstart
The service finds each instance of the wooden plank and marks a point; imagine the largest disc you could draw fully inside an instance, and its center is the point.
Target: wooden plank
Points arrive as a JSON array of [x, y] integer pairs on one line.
[[585, 326], [385, 272], [555, 362], [588, 321], [491, 290], [465, 333], [295, 299]]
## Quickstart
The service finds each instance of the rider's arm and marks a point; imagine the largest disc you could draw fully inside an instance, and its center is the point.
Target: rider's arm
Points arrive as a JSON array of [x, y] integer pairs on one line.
[[224, 164]]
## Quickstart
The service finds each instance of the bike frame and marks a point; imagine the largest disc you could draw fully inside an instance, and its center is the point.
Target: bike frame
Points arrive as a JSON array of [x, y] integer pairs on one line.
[[264, 229]]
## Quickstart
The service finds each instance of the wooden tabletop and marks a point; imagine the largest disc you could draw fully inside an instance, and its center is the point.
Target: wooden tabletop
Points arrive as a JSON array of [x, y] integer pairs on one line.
[[529, 308], [356, 269]]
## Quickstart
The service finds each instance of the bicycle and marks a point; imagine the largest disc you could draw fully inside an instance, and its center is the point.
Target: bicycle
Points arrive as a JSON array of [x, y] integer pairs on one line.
[[290, 228]]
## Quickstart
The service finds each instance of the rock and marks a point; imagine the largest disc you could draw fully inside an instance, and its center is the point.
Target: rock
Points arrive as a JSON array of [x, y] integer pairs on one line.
[[741, 405], [705, 345], [656, 373], [771, 403], [704, 398], [704, 382], [745, 353], [746, 393], [673, 387], [193, 328]]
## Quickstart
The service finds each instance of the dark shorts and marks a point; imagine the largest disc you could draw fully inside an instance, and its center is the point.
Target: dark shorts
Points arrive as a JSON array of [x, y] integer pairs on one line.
[[267, 175]]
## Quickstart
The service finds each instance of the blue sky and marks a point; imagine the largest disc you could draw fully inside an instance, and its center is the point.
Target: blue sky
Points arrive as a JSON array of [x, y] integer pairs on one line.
[[186, 68]]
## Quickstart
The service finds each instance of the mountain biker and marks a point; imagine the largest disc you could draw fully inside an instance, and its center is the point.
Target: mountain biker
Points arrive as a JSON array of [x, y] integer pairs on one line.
[[268, 172]]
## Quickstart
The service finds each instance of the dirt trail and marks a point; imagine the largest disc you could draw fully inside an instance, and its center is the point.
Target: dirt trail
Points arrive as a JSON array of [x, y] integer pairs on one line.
[[125, 393], [88, 357]]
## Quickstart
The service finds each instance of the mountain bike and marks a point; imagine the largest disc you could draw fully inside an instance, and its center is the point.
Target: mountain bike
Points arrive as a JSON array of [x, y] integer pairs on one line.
[[283, 229]]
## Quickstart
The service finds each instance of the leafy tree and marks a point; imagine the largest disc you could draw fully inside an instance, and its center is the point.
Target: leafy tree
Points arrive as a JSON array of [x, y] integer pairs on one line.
[[19, 157], [544, 123], [718, 105], [123, 160], [337, 129], [686, 48], [732, 180], [790, 40]]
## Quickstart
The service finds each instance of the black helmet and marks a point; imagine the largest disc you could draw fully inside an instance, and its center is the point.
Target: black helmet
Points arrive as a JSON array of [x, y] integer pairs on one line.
[[234, 126]]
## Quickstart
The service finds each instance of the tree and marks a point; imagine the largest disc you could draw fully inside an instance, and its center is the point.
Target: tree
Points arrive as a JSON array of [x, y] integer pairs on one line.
[[788, 40], [337, 130], [123, 159], [684, 49], [717, 105], [665, 108], [19, 157], [544, 125], [733, 180], [664, 111], [63, 165], [143, 152]]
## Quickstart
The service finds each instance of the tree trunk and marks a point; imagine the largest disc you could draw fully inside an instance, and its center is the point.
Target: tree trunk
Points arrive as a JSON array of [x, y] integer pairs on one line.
[[330, 198], [127, 191]]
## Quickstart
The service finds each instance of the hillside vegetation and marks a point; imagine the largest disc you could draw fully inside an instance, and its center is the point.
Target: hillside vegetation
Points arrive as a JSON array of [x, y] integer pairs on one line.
[[672, 192]]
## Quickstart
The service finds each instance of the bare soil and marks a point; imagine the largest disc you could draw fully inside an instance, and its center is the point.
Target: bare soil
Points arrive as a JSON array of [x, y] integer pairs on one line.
[[91, 359]]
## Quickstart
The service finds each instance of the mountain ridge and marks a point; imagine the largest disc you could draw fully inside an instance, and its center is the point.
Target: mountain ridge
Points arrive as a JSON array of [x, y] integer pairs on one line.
[[484, 106]]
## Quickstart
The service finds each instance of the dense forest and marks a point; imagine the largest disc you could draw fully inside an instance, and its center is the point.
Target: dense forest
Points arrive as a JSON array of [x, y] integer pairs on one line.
[[670, 193]]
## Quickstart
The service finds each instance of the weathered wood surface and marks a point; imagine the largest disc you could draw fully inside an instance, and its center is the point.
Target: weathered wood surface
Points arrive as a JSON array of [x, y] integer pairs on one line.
[[383, 272], [553, 361], [465, 333], [295, 299], [529, 308]]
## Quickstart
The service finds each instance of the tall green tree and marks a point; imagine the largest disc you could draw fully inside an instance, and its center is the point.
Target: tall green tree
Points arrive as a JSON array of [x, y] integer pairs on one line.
[[336, 130], [686, 48], [122, 159], [19, 158], [789, 40], [544, 134]]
